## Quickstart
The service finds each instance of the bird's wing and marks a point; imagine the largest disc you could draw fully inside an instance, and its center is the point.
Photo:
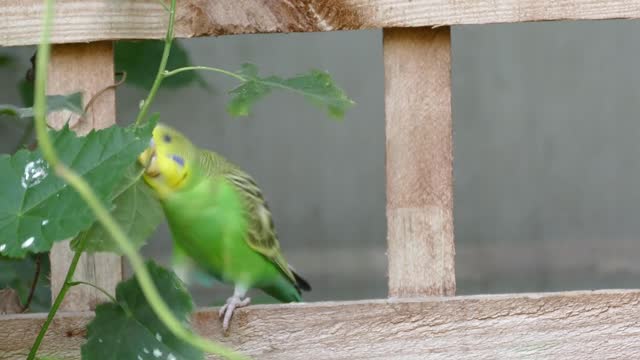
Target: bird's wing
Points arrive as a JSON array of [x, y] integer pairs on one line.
[[261, 234]]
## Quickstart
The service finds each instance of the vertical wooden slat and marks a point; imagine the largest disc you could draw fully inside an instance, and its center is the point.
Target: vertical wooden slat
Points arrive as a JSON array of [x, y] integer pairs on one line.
[[87, 68], [419, 161]]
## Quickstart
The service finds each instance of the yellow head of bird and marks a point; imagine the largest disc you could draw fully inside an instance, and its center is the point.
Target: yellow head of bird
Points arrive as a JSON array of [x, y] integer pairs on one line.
[[167, 160]]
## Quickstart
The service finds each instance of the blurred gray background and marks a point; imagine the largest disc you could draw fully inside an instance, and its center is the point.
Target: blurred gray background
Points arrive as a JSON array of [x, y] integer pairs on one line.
[[546, 132]]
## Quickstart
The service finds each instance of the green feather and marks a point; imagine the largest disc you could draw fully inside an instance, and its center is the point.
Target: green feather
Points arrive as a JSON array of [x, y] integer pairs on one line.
[[219, 219]]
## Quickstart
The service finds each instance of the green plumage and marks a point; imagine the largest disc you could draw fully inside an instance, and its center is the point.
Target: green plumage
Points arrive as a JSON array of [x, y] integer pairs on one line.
[[218, 217], [251, 258]]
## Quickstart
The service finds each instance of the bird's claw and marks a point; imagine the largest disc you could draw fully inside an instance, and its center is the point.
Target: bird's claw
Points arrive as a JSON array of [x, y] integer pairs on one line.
[[226, 311]]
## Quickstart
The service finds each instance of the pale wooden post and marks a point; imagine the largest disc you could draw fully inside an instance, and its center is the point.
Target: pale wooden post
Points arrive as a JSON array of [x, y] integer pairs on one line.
[[421, 252], [87, 68]]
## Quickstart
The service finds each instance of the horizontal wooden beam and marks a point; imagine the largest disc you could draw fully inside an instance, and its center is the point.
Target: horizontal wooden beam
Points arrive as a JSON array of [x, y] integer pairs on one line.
[[92, 20], [569, 325]]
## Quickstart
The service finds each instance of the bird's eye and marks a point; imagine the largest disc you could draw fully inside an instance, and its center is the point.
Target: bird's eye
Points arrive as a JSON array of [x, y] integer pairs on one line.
[[166, 138], [178, 159]]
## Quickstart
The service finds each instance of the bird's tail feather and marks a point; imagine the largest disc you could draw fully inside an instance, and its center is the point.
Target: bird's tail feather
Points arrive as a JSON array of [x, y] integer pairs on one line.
[[301, 283]]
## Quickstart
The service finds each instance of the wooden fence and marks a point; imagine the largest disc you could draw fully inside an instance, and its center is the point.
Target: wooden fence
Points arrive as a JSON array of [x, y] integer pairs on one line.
[[417, 321]]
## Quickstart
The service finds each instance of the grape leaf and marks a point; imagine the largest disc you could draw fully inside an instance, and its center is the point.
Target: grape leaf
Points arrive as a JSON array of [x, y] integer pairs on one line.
[[140, 59], [135, 208], [317, 86], [129, 329], [72, 102], [38, 208]]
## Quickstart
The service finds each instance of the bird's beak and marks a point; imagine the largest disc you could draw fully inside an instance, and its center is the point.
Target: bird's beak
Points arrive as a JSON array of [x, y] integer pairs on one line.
[[148, 160]]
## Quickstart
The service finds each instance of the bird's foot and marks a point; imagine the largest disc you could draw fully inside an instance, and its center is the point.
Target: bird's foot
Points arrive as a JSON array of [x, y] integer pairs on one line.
[[227, 310]]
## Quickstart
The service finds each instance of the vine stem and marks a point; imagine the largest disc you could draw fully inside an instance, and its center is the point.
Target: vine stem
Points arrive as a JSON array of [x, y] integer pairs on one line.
[[149, 289], [39, 99], [168, 73], [168, 40], [105, 292], [58, 301]]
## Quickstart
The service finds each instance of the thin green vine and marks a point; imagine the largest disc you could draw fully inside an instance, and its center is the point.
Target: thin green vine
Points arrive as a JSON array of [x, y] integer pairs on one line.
[[102, 214], [39, 100], [49, 153], [168, 73], [58, 301], [168, 40], [105, 292]]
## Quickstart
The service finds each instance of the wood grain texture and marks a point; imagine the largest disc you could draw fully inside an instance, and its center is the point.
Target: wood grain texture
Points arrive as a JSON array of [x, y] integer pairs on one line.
[[417, 65], [574, 325], [92, 20], [87, 68], [9, 301]]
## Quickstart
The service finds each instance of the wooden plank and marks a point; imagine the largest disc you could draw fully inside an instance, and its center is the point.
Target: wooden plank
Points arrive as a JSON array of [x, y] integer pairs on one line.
[[87, 68], [573, 325], [417, 65], [92, 20]]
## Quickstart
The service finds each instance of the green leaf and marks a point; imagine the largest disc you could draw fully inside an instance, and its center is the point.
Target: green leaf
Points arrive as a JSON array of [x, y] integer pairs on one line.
[[18, 274], [317, 86], [38, 208], [135, 208], [141, 59], [129, 329], [72, 102]]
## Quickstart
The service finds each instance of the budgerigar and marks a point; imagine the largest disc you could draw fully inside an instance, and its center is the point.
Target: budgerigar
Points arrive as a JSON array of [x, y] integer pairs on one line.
[[190, 183]]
